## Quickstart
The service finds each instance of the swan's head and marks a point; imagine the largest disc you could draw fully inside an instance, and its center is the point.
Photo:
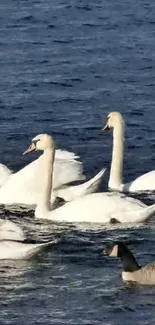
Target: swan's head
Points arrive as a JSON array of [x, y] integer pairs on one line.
[[114, 119], [41, 142]]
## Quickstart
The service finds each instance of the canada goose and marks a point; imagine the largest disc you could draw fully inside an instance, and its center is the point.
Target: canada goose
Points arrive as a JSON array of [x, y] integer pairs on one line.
[[131, 270]]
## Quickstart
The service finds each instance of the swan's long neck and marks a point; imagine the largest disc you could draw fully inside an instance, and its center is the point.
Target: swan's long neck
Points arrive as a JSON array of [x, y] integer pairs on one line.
[[48, 161], [115, 180]]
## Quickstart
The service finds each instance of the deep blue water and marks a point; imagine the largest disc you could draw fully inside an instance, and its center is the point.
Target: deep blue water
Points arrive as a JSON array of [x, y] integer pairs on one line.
[[63, 66]]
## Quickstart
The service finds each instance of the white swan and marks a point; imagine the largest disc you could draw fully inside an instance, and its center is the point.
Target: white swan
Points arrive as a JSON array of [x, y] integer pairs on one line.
[[25, 186], [12, 245], [145, 182], [98, 207]]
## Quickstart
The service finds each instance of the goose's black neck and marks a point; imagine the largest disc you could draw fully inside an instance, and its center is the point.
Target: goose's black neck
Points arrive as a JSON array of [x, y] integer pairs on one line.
[[129, 262]]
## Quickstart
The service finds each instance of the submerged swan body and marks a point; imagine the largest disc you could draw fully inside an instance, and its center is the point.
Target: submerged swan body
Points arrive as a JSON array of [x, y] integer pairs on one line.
[[10, 231], [131, 270], [12, 245], [10, 249], [143, 183], [25, 186], [97, 207]]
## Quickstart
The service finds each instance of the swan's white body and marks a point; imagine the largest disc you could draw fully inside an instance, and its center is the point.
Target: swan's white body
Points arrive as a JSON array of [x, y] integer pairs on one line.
[[97, 208], [25, 186], [143, 183]]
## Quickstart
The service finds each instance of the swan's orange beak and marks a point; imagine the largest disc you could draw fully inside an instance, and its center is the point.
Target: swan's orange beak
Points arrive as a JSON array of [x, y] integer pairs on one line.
[[106, 127], [31, 148]]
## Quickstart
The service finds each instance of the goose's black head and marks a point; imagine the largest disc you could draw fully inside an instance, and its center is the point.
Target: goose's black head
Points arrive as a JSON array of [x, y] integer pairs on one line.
[[116, 249], [119, 249]]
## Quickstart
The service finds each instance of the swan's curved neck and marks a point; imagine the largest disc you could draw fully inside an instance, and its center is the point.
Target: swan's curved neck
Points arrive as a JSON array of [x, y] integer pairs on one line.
[[48, 161], [115, 180]]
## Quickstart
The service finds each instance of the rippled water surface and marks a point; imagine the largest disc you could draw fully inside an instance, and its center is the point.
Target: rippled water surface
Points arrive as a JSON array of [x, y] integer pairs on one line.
[[63, 66]]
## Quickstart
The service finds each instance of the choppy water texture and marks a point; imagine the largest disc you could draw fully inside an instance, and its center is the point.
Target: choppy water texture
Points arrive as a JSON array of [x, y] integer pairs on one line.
[[63, 66]]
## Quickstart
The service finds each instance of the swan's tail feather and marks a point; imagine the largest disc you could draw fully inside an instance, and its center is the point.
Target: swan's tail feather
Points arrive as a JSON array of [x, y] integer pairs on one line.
[[93, 184], [132, 216], [148, 212], [73, 192]]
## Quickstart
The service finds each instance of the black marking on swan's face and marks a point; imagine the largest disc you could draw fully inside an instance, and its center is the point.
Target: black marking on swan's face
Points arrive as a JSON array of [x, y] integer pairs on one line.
[[35, 142]]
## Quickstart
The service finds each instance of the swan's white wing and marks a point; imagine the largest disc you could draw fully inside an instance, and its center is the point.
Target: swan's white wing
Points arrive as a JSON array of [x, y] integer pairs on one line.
[[4, 174], [25, 186], [65, 155], [145, 182], [66, 168]]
